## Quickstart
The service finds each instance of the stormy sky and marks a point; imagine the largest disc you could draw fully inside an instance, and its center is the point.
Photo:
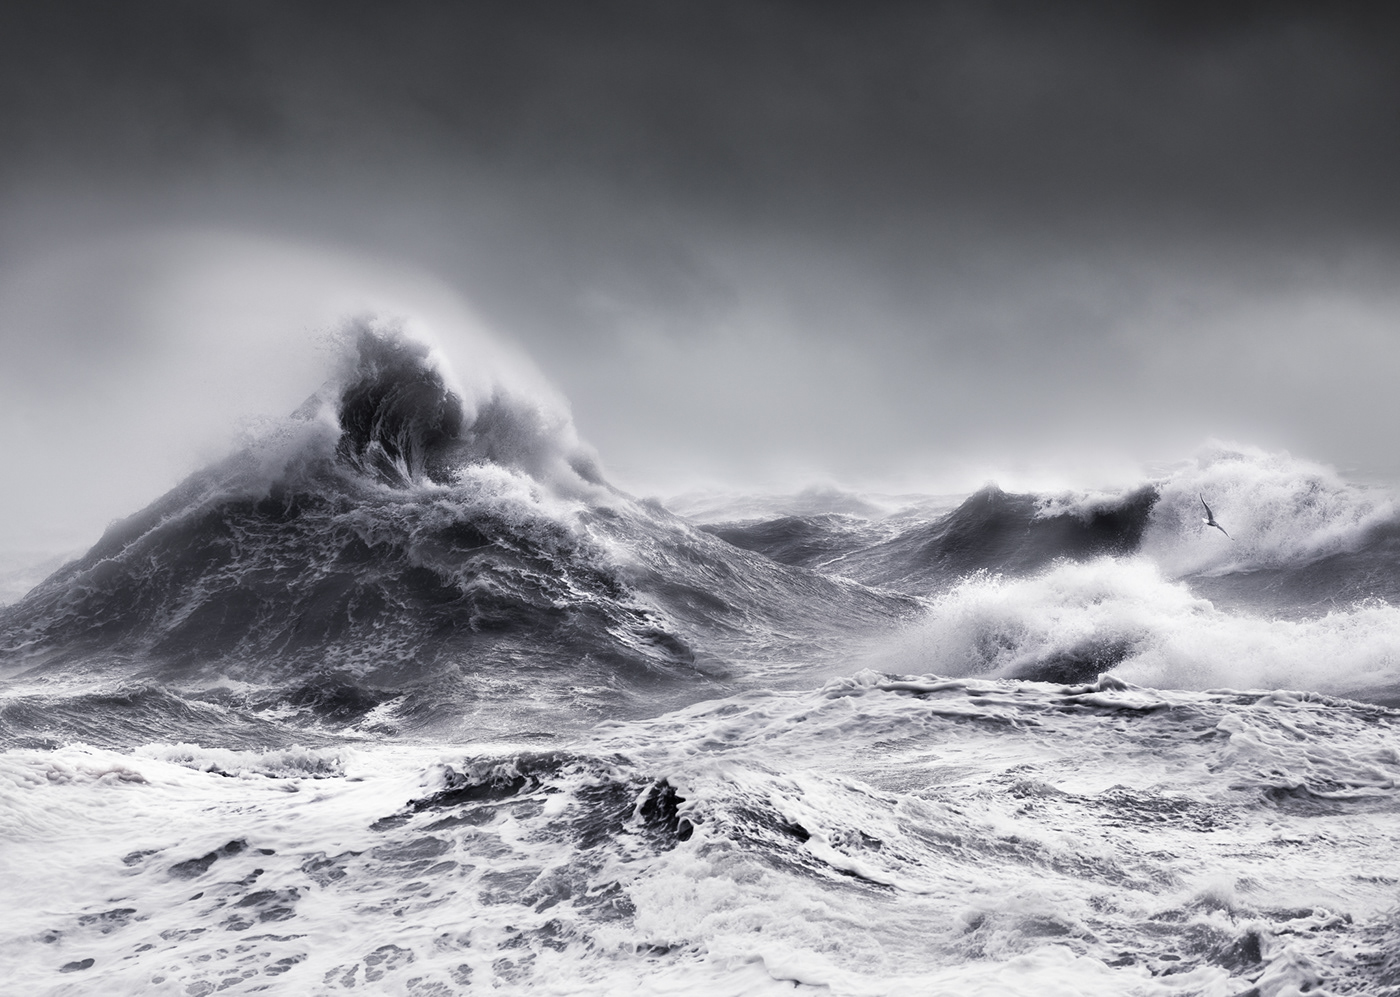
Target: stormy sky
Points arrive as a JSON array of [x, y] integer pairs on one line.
[[752, 243]]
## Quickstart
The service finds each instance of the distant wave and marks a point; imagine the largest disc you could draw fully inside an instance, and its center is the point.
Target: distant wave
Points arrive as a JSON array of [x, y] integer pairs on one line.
[[1301, 534], [991, 530], [1064, 587]]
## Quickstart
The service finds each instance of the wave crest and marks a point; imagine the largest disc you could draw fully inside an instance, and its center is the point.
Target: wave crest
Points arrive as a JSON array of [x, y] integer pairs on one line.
[[401, 422], [1077, 620], [397, 412], [1280, 510]]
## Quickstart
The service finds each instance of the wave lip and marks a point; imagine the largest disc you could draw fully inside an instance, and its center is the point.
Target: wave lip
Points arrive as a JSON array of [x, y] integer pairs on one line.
[[402, 423], [397, 411]]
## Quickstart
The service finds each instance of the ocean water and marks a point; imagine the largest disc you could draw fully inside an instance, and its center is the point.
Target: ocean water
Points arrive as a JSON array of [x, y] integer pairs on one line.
[[405, 698]]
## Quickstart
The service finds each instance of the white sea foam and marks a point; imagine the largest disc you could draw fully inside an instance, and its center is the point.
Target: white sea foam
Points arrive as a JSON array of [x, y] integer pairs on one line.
[[877, 835], [1151, 629], [273, 763], [1279, 510]]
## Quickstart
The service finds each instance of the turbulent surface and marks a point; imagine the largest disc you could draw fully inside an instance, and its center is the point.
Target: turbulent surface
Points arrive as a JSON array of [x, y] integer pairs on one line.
[[871, 836], [405, 698]]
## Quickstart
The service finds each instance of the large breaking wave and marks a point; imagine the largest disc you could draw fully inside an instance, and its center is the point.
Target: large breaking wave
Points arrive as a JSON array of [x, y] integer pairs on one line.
[[394, 540]]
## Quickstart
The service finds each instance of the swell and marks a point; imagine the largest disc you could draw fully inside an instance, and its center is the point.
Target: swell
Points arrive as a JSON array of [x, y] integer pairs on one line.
[[1302, 594], [805, 541], [397, 555]]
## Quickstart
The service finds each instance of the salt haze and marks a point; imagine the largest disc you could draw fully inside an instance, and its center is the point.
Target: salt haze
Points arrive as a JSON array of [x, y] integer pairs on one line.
[[756, 245]]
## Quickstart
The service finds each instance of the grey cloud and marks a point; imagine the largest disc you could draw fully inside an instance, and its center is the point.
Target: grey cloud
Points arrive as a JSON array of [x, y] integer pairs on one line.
[[809, 114]]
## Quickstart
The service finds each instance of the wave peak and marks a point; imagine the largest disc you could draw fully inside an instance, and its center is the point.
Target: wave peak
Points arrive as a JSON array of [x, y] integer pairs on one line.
[[398, 410]]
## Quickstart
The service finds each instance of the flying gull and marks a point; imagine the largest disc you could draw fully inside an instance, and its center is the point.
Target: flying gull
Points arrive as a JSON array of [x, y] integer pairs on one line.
[[1210, 518]]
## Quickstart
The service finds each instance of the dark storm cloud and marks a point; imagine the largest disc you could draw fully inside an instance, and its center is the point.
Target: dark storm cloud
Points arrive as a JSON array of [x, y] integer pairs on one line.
[[806, 236], [608, 137], [813, 115]]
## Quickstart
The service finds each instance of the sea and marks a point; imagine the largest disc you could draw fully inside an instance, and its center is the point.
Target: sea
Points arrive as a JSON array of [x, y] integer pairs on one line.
[[403, 696]]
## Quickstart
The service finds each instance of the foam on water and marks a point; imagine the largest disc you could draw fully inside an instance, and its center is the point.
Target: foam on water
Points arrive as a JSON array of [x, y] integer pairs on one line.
[[1279, 509], [877, 835], [1076, 620]]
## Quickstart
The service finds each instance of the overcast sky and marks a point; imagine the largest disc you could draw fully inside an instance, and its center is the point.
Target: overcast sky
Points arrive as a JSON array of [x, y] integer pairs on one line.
[[751, 243]]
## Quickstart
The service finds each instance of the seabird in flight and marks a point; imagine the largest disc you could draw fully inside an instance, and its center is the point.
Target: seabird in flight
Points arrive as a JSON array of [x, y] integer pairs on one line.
[[1210, 518]]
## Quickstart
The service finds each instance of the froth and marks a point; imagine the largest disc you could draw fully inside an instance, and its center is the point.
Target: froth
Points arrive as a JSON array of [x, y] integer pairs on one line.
[[405, 418], [1076, 620], [1279, 511]]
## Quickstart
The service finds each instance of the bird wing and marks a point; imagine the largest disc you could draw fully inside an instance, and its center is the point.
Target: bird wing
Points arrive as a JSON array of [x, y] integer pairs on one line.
[[1221, 529], [1209, 515]]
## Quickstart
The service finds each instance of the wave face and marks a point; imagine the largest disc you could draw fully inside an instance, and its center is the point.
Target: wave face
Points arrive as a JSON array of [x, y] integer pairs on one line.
[[397, 414]]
